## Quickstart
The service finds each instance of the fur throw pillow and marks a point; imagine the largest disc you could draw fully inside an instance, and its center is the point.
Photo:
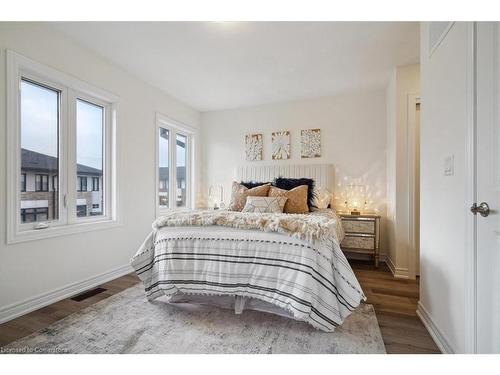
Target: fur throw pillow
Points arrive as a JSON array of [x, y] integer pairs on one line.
[[252, 184]]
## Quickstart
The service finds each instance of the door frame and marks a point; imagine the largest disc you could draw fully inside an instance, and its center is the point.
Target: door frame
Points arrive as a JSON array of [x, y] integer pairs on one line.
[[412, 101], [470, 268]]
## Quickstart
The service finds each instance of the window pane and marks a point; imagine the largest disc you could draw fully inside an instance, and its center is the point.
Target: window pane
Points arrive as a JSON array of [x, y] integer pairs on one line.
[[39, 151], [29, 215], [45, 182], [181, 156], [23, 181], [81, 210], [89, 157], [163, 168]]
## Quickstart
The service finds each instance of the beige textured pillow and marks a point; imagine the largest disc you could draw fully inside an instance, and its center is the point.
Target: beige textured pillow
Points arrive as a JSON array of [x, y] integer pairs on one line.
[[240, 193], [265, 204], [297, 199]]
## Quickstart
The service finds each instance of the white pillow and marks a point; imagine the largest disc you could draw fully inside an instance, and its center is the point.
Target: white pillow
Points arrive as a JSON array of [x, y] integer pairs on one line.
[[322, 198], [265, 204]]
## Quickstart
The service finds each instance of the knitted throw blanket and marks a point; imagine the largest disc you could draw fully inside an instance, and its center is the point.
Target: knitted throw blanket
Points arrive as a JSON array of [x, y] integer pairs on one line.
[[318, 225]]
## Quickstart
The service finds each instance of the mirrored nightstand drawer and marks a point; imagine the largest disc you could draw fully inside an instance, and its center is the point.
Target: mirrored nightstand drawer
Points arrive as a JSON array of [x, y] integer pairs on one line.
[[356, 242], [359, 226]]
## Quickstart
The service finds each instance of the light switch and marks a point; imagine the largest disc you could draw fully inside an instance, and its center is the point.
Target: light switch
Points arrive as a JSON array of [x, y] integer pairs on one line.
[[449, 166]]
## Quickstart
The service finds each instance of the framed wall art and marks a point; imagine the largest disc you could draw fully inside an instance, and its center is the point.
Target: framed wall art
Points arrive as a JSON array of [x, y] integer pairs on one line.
[[310, 143], [280, 145], [253, 147]]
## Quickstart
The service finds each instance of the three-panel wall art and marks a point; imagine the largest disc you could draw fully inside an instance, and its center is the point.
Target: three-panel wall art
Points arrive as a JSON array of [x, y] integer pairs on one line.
[[310, 145]]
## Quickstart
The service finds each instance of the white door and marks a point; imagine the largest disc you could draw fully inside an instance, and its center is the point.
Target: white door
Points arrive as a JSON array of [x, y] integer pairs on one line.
[[488, 188]]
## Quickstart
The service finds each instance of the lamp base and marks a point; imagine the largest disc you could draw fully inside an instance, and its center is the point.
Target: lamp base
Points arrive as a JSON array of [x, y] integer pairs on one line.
[[355, 212]]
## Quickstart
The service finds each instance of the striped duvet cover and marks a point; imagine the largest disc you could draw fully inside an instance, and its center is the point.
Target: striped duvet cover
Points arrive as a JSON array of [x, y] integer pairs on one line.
[[311, 280]]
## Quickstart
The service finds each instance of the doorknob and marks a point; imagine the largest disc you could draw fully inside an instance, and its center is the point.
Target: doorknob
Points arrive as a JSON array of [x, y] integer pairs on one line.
[[483, 209]]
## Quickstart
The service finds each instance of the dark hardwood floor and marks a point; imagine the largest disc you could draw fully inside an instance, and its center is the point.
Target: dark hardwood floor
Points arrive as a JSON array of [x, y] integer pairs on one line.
[[395, 303]]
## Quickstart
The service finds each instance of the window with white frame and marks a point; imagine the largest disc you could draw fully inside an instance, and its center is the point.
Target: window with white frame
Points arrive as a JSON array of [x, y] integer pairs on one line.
[[174, 185], [60, 132]]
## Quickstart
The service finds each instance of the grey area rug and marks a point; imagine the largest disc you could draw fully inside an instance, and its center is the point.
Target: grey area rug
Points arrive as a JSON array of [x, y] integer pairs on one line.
[[127, 323]]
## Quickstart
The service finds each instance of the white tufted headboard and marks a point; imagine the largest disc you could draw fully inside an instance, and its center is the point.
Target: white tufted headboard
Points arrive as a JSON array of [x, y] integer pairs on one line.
[[323, 174]]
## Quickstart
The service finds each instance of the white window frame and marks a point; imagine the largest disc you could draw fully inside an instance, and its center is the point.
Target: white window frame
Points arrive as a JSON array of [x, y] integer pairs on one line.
[[70, 88], [175, 127]]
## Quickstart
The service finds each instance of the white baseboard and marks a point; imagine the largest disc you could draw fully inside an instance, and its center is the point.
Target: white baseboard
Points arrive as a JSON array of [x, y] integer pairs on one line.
[[390, 264], [31, 304], [397, 272], [439, 338]]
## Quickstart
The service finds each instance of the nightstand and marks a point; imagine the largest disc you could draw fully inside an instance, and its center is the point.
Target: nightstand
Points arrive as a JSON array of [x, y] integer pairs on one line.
[[362, 234]]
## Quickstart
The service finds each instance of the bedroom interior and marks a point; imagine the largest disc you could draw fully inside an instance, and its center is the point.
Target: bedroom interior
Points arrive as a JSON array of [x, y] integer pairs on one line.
[[203, 187]]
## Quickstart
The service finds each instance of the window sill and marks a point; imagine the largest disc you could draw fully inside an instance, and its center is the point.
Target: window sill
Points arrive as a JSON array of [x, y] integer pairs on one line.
[[62, 230]]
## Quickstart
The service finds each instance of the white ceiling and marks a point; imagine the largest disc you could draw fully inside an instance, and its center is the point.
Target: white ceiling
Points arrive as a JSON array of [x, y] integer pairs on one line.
[[220, 65]]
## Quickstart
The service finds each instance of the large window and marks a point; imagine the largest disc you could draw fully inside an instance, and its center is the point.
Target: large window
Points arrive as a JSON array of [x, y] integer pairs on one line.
[[63, 133], [175, 155]]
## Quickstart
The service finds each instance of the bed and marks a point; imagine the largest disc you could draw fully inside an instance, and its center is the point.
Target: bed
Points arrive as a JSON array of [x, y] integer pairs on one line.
[[286, 264]]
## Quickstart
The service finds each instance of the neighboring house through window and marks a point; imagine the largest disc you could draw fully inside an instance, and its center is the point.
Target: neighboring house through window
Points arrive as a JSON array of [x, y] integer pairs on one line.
[[23, 182], [82, 183], [41, 182], [81, 210], [163, 182], [29, 215], [95, 183]]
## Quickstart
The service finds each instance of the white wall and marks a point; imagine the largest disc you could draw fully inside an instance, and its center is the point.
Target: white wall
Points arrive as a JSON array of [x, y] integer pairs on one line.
[[443, 205], [353, 131], [404, 81], [33, 268]]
